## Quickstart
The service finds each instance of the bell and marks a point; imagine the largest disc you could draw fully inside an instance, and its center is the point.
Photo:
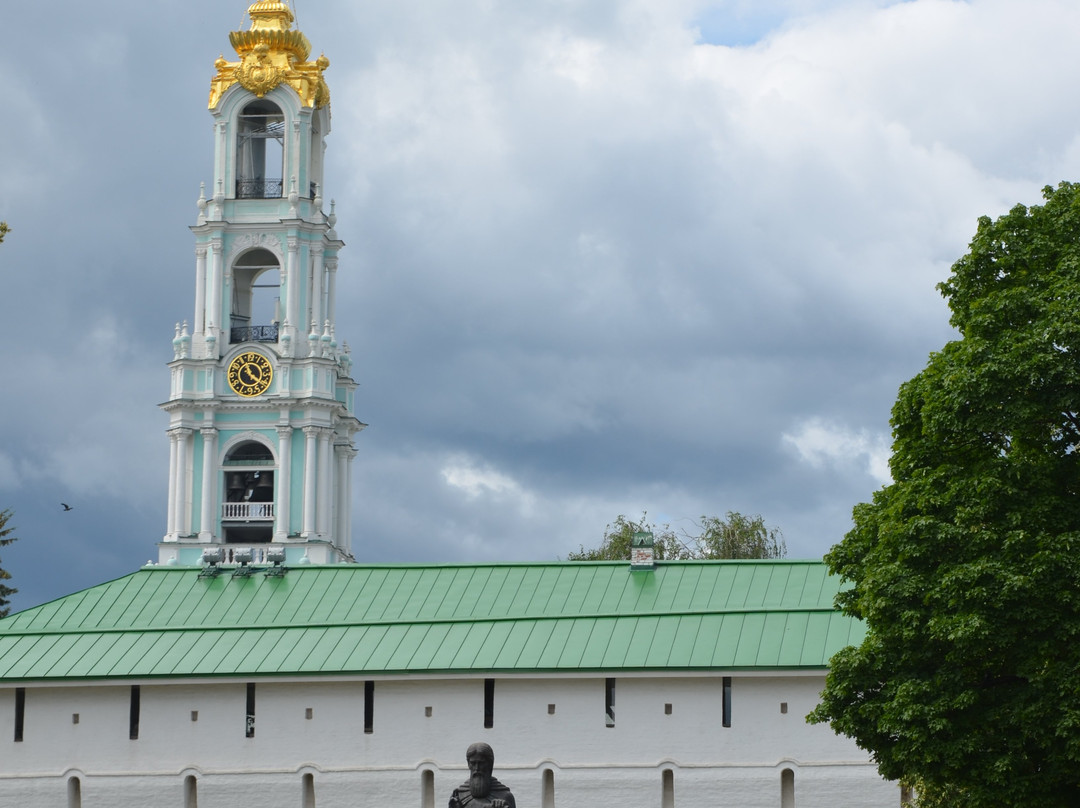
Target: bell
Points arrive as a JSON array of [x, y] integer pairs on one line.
[[263, 490]]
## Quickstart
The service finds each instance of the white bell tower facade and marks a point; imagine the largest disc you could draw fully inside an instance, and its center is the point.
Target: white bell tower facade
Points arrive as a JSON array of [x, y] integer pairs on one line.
[[261, 404]]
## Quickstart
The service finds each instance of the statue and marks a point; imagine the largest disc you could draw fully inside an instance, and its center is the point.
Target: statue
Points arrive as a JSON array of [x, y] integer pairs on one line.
[[481, 790]]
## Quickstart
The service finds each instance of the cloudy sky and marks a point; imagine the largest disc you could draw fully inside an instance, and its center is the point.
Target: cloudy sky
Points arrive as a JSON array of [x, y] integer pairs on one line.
[[604, 256]]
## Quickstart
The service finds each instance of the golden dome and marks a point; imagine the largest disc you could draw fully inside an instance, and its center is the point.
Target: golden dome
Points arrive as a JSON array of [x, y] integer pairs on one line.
[[270, 8], [271, 53]]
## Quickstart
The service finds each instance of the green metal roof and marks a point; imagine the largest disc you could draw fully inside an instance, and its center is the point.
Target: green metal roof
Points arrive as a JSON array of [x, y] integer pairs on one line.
[[468, 618]]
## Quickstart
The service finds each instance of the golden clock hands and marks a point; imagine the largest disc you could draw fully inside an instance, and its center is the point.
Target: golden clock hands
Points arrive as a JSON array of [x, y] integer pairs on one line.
[[252, 372]]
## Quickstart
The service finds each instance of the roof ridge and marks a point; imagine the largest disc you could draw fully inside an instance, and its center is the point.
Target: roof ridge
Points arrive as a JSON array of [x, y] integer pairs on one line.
[[433, 621]]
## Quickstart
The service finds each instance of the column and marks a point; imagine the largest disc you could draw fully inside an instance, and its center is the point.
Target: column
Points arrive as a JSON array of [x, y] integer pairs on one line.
[[170, 519], [283, 483], [214, 281], [326, 484], [207, 499], [292, 148], [316, 284], [342, 511], [311, 436], [226, 291], [292, 307], [221, 149], [331, 279], [181, 488], [200, 289]]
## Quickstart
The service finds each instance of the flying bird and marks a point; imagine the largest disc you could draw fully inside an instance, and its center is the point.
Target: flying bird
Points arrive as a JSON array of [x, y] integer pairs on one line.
[[66, 506]]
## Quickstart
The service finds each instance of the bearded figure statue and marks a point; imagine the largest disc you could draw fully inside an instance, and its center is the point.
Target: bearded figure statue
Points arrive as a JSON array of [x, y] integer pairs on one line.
[[481, 790]]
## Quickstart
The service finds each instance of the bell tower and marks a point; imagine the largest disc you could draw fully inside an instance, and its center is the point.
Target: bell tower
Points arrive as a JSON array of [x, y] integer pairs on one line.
[[261, 403]]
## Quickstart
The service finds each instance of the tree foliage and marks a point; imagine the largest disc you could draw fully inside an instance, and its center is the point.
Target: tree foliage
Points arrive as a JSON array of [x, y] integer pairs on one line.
[[5, 539], [734, 536], [738, 536], [966, 569], [4, 230]]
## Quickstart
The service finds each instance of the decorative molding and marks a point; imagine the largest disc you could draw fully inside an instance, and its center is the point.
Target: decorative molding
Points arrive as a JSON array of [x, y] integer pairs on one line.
[[246, 437], [248, 241]]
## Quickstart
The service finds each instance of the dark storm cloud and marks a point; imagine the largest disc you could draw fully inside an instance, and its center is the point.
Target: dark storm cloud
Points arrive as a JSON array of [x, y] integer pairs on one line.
[[595, 264]]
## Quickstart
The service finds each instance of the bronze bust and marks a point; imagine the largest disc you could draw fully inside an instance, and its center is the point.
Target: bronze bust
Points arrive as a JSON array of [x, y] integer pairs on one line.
[[481, 790]]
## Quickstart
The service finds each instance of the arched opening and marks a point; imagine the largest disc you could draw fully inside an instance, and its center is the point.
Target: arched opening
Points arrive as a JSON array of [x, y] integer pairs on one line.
[[427, 789], [256, 291], [74, 792], [787, 789], [667, 795], [191, 792], [307, 788], [248, 511], [260, 150], [547, 789]]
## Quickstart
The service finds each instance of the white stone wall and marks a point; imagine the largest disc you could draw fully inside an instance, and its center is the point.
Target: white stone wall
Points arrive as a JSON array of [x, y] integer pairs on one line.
[[593, 764]]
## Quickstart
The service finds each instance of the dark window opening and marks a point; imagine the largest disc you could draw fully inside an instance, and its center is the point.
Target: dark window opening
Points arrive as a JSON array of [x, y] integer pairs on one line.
[[248, 512], [133, 713], [369, 707], [727, 702], [489, 703], [20, 712], [609, 702], [249, 724]]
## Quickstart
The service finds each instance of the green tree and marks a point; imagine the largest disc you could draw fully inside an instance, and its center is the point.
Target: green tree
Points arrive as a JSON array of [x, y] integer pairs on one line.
[[615, 545], [4, 230], [966, 569], [735, 536], [5, 539]]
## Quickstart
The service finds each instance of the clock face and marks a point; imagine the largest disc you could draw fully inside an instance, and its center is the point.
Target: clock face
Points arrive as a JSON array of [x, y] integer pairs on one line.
[[250, 374]]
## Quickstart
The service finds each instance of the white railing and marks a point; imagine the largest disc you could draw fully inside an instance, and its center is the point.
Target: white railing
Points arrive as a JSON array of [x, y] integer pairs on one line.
[[247, 510]]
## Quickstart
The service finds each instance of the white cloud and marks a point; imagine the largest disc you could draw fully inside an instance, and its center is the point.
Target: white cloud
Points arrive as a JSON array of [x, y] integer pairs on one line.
[[476, 479], [821, 444]]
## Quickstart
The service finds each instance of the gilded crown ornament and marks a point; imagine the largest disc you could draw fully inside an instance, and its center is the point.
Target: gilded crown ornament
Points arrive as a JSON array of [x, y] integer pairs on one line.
[[271, 53]]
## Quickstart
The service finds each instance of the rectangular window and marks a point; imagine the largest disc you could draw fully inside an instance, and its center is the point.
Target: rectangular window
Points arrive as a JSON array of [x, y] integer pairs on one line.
[[249, 725], [489, 703], [609, 702], [20, 712], [133, 713], [727, 702], [369, 707]]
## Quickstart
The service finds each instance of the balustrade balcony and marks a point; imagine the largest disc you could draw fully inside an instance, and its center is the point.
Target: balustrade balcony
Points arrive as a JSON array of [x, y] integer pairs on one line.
[[258, 188], [248, 511], [253, 333]]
